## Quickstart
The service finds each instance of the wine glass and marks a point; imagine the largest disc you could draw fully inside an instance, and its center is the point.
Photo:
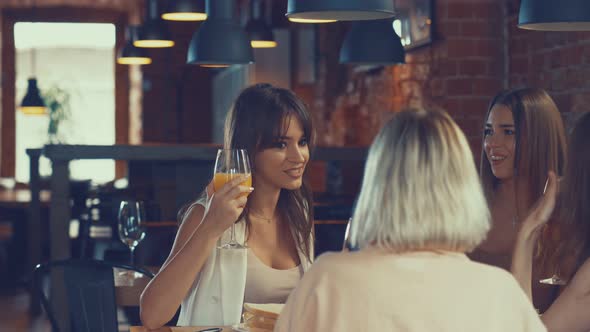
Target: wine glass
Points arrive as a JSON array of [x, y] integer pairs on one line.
[[555, 280], [229, 164], [131, 224]]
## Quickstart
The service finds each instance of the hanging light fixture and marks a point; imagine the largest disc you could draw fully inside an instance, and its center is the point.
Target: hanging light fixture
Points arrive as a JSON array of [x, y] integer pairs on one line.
[[372, 42], [552, 15], [220, 41], [131, 55], [322, 11], [154, 32], [33, 103], [185, 10], [261, 35]]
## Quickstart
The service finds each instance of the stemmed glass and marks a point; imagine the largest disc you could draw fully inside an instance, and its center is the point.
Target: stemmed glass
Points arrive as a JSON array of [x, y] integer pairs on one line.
[[131, 224], [554, 280], [231, 163]]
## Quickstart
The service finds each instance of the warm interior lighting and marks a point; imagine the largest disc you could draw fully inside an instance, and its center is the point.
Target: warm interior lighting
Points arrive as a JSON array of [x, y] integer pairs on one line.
[[185, 17], [153, 43], [33, 110], [214, 66], [263, 43], [134, 61], [309, 20]]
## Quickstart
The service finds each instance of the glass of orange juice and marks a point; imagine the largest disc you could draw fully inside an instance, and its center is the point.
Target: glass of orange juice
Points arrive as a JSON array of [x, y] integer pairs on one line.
[[231, 163]]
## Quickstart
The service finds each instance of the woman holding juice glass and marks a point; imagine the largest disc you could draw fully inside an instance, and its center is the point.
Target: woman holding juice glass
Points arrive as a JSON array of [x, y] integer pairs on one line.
[[273, 219]]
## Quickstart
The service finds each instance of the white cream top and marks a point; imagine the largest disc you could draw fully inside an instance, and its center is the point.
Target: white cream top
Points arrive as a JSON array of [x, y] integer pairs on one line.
[[265, 284]]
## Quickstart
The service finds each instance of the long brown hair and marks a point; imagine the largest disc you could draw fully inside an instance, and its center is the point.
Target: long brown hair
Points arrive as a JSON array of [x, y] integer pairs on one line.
[[540, 144], [573, 246], [258, 117]]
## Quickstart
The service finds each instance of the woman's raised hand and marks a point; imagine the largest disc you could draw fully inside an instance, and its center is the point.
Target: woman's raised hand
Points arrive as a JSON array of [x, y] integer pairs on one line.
[[226, 204], [542, 210]]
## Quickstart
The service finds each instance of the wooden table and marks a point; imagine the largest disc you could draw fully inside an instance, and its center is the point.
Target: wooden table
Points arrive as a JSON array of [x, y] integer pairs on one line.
[[177, 329]]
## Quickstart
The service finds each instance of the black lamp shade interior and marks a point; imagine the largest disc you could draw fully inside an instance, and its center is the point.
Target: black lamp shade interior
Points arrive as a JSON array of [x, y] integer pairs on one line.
[[372, 42]]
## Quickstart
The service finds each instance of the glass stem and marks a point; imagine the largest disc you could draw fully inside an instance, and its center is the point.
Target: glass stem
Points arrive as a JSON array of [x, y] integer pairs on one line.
[[132, 255], [233, 233]]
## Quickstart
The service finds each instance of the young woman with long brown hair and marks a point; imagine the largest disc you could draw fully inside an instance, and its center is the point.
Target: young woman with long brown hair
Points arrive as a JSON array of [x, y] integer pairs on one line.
[[275, 220], [524, 139], [568, 253]]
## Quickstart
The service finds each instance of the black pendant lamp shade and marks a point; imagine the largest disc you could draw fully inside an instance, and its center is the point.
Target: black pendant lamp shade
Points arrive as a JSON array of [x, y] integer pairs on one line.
[[553, 15], [33, 103], [372, 42], [131, 55], [185, 10], [261, 35], [318, 11], [153, 33], [220, 41]]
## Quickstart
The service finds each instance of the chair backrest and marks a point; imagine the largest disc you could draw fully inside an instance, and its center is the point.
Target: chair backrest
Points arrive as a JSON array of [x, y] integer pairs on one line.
[[90, 292]]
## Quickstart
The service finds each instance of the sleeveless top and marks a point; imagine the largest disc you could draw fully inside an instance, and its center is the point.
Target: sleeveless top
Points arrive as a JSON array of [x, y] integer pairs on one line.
[[217, 294], [265, 284]]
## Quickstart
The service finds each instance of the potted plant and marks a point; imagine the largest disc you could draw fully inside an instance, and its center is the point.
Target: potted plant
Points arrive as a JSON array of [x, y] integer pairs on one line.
[[57, 101]]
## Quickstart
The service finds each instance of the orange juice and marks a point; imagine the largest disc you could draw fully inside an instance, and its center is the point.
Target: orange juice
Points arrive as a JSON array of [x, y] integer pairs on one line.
[[219, 179]]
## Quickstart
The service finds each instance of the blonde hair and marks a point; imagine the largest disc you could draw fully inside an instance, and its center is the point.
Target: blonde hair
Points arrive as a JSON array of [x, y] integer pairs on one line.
[[420, 189]]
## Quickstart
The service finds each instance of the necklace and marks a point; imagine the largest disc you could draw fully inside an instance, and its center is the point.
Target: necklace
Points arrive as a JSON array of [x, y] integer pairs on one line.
[[258, 216]]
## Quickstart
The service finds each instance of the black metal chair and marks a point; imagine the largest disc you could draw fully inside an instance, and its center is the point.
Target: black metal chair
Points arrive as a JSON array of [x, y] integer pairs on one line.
[[90, 292]]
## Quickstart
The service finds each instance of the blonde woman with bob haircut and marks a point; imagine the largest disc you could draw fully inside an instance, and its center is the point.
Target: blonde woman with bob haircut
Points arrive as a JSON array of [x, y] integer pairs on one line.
[[421, 207]]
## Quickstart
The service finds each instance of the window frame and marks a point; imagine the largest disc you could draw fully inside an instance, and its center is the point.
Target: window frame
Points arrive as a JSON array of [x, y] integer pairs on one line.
[[69, 14]]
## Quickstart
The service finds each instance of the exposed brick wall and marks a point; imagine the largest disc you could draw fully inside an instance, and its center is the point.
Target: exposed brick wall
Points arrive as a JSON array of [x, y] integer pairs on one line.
[[556, 61], [459, 72]]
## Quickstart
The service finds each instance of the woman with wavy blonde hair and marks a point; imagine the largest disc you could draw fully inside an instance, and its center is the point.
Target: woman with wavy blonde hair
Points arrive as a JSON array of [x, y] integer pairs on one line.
[[421, 207]]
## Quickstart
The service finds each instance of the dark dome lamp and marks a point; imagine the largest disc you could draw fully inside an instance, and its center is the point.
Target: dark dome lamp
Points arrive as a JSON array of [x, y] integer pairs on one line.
[[185, 10], [324, 11], [33, 103], [552, 15], [153, 33], [261, 35], [220, 41], [129, 54], [372, 43]]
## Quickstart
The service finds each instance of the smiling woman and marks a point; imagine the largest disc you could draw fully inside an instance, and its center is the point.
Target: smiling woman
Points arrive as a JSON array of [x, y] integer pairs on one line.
[[523, 140], [275, 221]]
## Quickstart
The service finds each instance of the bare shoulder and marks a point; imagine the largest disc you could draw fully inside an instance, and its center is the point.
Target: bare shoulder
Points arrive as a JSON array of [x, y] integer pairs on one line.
[[189, 223]]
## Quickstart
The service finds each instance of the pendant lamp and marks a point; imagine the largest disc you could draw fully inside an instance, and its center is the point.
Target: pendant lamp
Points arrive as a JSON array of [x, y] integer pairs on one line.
[[320, 11], [373, 43], [553, 15], [261, 35], [131, 55], [33, 103], [154, 32], [185, 10], [220, 41]]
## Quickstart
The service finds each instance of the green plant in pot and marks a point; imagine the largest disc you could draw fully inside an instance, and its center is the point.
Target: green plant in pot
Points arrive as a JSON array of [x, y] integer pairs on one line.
[[58, 105]]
